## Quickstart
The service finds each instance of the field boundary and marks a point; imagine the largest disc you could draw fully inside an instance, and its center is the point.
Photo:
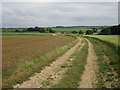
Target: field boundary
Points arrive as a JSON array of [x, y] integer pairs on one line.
[[108, 65], [117, 48]]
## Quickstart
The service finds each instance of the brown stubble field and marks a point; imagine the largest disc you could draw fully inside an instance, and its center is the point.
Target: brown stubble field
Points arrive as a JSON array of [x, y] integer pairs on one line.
[[20, 49]]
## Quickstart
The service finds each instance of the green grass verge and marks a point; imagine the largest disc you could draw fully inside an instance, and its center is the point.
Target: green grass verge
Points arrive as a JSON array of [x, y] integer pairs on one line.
[[111, 40], [73, 74], [105, 72], [30, 67]]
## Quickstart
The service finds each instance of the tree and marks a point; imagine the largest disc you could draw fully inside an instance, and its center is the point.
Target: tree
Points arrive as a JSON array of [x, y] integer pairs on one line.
[[114, 30], [24, 30], [89, 32], [80, 32], [30, 29], [50, 30], [37, 28], [105, 31], [94, 30], [17, 30], [74, 32]]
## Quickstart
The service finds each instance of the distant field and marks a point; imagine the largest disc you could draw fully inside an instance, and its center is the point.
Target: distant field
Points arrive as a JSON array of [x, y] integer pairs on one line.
[[26, 33], [23, 54], [55, 29], [70, 29], [73, 29], [12, 29]]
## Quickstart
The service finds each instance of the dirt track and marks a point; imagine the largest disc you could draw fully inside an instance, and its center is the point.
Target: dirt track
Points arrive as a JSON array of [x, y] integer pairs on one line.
[[88, 79], [41, 80], [52, 74]]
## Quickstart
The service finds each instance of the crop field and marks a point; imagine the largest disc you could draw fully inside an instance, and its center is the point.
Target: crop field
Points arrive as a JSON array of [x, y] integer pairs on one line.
[[21, 52]]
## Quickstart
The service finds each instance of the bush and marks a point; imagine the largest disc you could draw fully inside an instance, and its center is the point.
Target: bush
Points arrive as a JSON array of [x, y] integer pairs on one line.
[[17, 30], [74, 32], [80, 32], [94, 30], [89, 32], [30, 29], [105, 31]]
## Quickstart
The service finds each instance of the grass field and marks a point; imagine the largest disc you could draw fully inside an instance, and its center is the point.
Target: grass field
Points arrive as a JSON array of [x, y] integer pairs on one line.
[[23, 55], [69, 30], [108, 38]]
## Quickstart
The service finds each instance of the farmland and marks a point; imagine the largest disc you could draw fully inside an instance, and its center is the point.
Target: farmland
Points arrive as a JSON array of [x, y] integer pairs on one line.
[[57, 30], [57, 59], [70, 29], [59, 45], [22, 53], [26, 33]]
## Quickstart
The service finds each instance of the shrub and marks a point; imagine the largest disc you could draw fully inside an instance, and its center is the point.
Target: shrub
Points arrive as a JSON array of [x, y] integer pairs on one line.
[[80, 32], [105, 31], [89, 32]]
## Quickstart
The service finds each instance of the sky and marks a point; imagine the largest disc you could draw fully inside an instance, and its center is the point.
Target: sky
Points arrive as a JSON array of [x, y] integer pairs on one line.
[[25, 14]]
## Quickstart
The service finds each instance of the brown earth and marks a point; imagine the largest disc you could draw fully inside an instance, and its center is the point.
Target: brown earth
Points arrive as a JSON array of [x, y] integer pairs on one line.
[[18, 49], [43, 79]]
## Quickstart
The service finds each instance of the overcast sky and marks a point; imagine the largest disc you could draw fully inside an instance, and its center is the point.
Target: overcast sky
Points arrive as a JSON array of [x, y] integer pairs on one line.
[[21, 14]]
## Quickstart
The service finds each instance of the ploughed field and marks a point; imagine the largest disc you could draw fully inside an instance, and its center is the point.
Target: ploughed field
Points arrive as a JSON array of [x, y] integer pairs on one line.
[[22, 54]]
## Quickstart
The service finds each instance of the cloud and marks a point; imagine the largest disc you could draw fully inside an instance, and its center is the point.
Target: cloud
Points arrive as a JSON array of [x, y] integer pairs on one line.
[[119, 13], [60, 0], [63, 13]]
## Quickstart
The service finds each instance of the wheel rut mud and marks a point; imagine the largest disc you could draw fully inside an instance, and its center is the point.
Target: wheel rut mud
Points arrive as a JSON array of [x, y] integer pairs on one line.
[[54, 72]]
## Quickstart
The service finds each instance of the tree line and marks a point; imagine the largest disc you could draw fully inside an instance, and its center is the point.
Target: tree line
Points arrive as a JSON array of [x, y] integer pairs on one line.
[[113, 30], [88, 32], [37, 29]]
